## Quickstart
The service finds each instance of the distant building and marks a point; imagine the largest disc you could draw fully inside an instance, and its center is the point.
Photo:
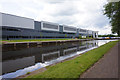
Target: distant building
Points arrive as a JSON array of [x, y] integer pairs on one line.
[[16, 27]]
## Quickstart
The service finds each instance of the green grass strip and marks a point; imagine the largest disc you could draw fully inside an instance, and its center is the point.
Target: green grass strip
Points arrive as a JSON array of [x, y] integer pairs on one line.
[[30, 40], [75, 67]]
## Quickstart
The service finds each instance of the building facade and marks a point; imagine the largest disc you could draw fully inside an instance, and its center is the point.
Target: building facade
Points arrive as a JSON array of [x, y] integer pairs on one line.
[[16, 27]]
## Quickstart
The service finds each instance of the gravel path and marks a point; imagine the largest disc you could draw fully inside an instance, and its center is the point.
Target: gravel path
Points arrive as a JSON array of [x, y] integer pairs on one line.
[[106, 67]]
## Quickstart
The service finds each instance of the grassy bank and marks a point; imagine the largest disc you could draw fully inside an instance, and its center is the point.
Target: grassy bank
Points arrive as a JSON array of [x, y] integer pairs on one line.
[[75, 67], [30, 40]]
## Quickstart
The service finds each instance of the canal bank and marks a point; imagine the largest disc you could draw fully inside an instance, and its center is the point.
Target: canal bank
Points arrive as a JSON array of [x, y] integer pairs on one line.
[[106, 67], [25, 60], [73, 68]]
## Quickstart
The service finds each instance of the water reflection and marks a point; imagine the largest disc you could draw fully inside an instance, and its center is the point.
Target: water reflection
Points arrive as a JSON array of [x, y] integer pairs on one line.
[[14, 59]]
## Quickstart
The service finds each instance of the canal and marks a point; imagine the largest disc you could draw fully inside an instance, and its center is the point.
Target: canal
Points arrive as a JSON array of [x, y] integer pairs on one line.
[[18, 61]]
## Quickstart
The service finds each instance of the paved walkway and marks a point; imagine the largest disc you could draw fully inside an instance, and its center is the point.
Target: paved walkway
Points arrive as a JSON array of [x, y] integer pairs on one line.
[[107, 67]]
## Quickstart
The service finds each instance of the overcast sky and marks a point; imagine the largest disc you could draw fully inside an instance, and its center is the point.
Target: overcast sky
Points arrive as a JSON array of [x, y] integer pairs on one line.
[[86, 14]]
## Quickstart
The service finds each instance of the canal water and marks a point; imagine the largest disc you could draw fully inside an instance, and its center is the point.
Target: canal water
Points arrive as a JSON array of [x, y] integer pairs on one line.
[[18, 61]]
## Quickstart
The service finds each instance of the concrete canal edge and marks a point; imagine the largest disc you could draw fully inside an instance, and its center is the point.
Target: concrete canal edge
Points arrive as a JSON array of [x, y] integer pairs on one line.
[[39, 43]]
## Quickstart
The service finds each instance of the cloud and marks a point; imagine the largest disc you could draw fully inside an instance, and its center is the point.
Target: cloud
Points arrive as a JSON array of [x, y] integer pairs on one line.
[[86, 14], [53, 1]]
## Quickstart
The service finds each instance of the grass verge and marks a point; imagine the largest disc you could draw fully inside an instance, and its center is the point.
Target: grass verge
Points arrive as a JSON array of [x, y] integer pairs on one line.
[[30, 40], [75, 67]]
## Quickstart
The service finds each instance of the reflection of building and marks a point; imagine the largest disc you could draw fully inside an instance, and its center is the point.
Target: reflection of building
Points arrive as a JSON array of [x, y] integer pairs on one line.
[[70, 50], [13, 65], [50, 56], [16, 27]]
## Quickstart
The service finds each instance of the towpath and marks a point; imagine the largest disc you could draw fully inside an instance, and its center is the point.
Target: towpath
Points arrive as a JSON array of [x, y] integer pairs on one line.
[[107, 67]]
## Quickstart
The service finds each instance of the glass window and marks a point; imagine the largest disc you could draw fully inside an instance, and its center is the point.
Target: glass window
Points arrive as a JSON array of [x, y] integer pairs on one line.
[[69, 29], [45, 25]]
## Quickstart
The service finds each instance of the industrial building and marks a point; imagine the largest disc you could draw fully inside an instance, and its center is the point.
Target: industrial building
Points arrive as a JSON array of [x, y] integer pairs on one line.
[[16, 27]]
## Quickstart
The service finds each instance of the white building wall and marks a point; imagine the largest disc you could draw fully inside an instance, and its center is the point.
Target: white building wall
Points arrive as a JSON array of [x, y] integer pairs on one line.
[[16, 21], [1, 47], [95, 34], [0, 19]]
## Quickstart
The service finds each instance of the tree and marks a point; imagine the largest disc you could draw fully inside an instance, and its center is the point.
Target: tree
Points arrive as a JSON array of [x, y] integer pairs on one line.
[[80, 37], [41, 35], [65, 35], [112, 11]]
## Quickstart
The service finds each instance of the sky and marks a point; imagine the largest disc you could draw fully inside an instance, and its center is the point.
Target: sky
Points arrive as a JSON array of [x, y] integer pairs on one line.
[[86, 14]]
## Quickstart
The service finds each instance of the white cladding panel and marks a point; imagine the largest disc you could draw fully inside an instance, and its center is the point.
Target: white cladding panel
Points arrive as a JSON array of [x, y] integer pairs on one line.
[[16, 21], [0, 29], [0, 19]]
